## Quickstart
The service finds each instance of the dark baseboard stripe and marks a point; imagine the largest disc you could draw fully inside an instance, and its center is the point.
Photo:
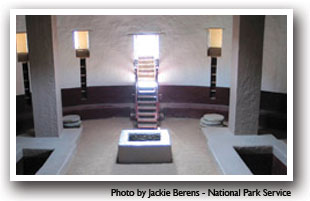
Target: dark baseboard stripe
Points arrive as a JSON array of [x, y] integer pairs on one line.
[[168, 94], [176, 101], [191, 110], [273, 101], [124, 94]]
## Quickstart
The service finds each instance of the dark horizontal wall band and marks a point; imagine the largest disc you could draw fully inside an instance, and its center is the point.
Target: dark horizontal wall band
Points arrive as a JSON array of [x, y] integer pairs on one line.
[[192, 110], [97, 111], [170, 94], [24, 116], [124, 94], [105, 110], [193, 94], [184, 101], [98, 94], [176, 101], [273, 101]]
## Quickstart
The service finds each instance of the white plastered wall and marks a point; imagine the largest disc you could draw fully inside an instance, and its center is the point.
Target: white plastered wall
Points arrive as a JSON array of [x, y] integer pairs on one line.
[[275, 54], [183, 50], [20, 27], [183, 47]]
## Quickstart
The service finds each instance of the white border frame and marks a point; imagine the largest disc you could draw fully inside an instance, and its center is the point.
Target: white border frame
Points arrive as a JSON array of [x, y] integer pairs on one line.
[[287, 12]]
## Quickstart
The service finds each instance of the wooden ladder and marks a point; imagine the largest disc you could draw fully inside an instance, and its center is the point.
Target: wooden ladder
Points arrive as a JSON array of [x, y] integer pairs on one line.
[[147, 104]]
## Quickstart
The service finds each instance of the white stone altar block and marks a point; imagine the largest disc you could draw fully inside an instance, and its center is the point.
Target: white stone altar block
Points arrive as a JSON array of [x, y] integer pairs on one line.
[[149, 151]]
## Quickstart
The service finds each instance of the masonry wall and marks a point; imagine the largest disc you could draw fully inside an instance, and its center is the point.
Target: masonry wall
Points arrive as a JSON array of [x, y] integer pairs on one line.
[[183, 48], [20, 27], [275, 57]]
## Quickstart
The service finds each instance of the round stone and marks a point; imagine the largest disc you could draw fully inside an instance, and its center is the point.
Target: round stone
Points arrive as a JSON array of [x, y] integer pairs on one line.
[[71, 119], [202, 125], [210, 122], [213, 117], [206, 125], [203, 121], [72, 125]]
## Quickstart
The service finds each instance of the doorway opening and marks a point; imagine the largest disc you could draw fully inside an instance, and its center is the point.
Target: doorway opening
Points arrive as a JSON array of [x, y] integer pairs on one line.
[[146, 46]]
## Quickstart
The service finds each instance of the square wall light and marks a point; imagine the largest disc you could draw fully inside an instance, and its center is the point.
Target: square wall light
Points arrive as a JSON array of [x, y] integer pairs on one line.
[[22, 47], [215, 40], [81, 43]]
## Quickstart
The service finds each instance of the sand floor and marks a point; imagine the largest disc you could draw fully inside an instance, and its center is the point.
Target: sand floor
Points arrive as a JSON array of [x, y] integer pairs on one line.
[[97, 150]]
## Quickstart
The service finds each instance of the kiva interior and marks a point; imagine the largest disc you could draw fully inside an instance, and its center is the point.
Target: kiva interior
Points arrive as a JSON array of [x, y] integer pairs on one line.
[[151, 95]]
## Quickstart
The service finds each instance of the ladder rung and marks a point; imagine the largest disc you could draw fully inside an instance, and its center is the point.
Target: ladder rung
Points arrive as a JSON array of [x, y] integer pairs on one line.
[[146, 57], [146, 102], [146, 71], [152, 120], [146, 62], [146, 96], [146, 66], [146, 76], [146, 91], [147, 88], [147, 113], [150, 77], [147, 107], [147, 118], [147, 126], [147, 99]]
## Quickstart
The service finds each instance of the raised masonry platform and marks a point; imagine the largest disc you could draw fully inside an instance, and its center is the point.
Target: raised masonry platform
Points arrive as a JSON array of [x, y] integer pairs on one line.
[[63, 149], [144, 146], [223, 144]]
